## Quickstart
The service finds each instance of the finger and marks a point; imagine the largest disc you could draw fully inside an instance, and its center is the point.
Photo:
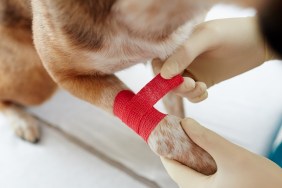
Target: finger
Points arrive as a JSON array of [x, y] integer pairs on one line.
[[200, 98], [157, 65], [195, 92], [200, 89], [219, 148], [200, 41], [183, 175], [187, 86]]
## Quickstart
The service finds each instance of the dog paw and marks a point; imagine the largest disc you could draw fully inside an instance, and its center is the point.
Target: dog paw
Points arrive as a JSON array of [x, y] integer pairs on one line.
[[23, 124], [169, 140]]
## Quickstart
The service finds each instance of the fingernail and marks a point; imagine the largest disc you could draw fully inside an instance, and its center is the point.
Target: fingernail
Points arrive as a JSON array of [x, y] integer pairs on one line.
[[164, 74], [168, 72]]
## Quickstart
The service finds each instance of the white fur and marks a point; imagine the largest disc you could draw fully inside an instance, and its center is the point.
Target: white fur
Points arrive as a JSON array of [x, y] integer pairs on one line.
[[107, 59], [23, 124]]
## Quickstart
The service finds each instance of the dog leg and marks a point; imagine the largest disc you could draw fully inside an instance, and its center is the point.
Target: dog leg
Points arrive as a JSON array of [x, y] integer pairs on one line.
[[168, 139], [23, 124], [77, 74], [23, 80], [174, 105]]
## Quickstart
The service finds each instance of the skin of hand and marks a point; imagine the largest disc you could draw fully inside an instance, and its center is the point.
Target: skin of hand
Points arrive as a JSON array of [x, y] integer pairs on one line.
[[216, 51], [195, 91], [237, 167], [251, 3]]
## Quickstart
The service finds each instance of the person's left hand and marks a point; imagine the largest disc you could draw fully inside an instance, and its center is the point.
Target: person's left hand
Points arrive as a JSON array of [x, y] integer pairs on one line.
[[236, 167]]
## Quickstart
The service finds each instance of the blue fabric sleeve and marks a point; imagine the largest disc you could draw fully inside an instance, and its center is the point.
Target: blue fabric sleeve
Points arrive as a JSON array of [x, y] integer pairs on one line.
[[276, 155]]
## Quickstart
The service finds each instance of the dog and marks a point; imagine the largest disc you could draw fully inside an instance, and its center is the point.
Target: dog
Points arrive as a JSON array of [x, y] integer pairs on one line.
[[79, 45]]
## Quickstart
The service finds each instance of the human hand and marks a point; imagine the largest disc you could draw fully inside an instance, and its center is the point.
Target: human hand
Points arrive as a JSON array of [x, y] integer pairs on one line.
[[236, 167], [194, 91], [216, 50]]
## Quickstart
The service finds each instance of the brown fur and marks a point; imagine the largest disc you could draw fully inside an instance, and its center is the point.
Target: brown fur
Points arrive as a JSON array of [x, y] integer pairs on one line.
[[23, 78], [82, 43]]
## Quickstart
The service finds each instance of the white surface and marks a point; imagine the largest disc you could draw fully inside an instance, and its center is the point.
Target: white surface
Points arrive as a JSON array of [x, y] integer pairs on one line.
[[105, 133], [54, 163]]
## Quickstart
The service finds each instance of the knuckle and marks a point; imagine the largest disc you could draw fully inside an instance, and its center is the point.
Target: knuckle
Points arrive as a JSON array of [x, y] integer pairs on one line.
[[185, 86], [202, 87], [188, 85]]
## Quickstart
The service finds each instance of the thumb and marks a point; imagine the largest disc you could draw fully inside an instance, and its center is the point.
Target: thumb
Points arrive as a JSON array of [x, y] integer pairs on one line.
[[183, 175], [219, 148], [199, 42]]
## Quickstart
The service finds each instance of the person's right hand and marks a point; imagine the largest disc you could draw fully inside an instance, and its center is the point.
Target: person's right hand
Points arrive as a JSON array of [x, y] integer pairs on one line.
[[216, 51]]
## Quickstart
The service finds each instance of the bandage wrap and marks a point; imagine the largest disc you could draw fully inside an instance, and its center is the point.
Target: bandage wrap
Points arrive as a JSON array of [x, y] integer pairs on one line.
[[137, 111]]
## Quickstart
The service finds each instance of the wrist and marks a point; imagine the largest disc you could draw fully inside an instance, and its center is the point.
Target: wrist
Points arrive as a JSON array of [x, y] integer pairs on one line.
[[270, 54]]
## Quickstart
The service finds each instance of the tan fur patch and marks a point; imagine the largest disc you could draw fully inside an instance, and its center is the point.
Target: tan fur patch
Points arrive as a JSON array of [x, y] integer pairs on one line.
[[169, 140]]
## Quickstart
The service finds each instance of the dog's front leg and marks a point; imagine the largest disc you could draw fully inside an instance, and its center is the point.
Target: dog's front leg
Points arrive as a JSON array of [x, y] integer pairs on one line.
[[68, 65], [99, 90], [167, 139]]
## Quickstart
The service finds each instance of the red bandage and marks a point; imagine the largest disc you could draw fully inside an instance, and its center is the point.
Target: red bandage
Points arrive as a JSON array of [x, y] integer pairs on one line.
[[137, 111]]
